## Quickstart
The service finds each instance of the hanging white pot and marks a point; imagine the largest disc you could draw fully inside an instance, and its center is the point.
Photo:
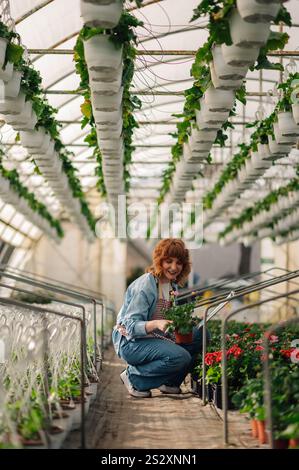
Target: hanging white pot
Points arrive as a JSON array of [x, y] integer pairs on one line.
[[279, 149], [224, 84], [34, 139], [107, 118], [224, 71], [246, 34], [258, 163], [295, 110], [115, 145], [263, 150], [212, 117], [13, 105], [116, 126], [280, 139], [106, 87], [219, 100], [107, 135], [12, 87], [103, 15], [201, 148], [198, 136], [287, 125], [239, 56], [203, 125], [109, 77], [101, 54], [22, 117], [6, 74], [255, 11], [111, 102]]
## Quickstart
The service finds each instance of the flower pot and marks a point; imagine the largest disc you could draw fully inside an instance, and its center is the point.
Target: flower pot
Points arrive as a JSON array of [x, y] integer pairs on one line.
[[287, 125], [294, 443], [28, 125], [209, 390], [103, 15], [107, 117], [35, 139], [281, 443], [116, 126], [224, 71], [106, 77], [102, 87], [183, 339], [203, 125], [217, 398], [295, 110], [262, 435], [254, 429], [224, 84], [219, 100], [255, 11], [280, 139], [212, 118], [101, 54], [246, 34], [22, 117], [198, 136], [13, 105], [12, 88], [111, 102], [3, 46], [239, 56], [279, 149], [6, 74]]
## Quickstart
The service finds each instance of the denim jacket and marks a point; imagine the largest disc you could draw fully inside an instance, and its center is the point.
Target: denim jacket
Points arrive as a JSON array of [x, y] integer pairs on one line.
[[138, 307]]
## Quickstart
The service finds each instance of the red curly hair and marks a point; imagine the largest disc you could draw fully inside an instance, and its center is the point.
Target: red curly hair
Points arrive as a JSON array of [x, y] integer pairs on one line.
[[170, 248]]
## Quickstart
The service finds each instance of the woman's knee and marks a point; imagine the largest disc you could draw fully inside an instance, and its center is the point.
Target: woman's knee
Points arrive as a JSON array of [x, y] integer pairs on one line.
[[180, 358]]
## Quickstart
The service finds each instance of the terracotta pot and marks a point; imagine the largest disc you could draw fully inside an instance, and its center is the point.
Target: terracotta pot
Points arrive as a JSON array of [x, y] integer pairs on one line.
[[254, 428], [293, 443], [281, 443], [179, 338], [262, 436]]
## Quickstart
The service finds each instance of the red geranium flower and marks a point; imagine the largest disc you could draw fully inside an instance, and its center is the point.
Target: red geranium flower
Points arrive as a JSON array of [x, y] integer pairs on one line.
[[259, 348]]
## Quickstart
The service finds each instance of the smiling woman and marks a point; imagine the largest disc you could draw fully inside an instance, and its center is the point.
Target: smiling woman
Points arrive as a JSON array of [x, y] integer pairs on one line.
[[141, 338]]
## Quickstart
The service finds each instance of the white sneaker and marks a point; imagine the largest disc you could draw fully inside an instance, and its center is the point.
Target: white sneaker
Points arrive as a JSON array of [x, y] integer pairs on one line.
[[170, 389], [132, 391]]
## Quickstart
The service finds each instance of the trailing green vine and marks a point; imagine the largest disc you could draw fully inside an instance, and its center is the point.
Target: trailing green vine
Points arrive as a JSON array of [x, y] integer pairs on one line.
[[122, 35], [36, 206]]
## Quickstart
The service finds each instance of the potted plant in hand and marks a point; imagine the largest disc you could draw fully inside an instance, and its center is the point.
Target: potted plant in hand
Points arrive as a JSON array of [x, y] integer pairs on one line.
[[182, 322]]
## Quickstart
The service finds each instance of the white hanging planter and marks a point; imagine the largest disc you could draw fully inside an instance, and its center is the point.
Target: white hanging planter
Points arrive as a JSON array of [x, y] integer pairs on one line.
[[287, 125], [239, 56], [280, 139], [224, 71], [13, 105], [224, 84], [99, 14], [295, 110], [203, 125], [101, 55], [24, 121], [6, 74], [107, 135], [246, 34], [219, 100], [258, 163], [107, 118], [279, 149], [110, 102], [198, 136], [12, 88], [212, 117], [256, 11], [106, 87], [263, 150], [108, 77], [35, 139], [117, 126]]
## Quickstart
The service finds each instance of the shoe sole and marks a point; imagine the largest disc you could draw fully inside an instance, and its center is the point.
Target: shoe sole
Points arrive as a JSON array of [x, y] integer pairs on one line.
[[135, 396]]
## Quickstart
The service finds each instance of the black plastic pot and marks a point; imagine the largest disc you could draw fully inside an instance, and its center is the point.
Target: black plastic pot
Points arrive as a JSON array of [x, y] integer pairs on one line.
[[209, 390], [217, 397]]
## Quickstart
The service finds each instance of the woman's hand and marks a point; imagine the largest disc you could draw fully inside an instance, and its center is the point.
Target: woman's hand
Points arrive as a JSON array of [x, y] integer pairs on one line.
[[161, 325]]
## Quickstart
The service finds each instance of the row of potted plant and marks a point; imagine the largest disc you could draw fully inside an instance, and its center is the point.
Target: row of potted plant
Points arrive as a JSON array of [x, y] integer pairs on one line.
[[265, 214], [245, 355], [13, 192], [235, 43], [105, 61], [32, 404], [271, 141], [27, 111]]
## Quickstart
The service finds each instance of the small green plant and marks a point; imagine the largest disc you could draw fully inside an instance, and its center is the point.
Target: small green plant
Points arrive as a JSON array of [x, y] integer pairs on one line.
[[181, 316]]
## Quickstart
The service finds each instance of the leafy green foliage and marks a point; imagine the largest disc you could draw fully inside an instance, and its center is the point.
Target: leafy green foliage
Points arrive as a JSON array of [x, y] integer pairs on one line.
[[181, 316]]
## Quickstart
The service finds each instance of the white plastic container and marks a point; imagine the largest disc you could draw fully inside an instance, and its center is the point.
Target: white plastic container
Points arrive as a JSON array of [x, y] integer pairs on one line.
[[12, 87], [103, 15], [254, 11], [101, 55], [219, 100]]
